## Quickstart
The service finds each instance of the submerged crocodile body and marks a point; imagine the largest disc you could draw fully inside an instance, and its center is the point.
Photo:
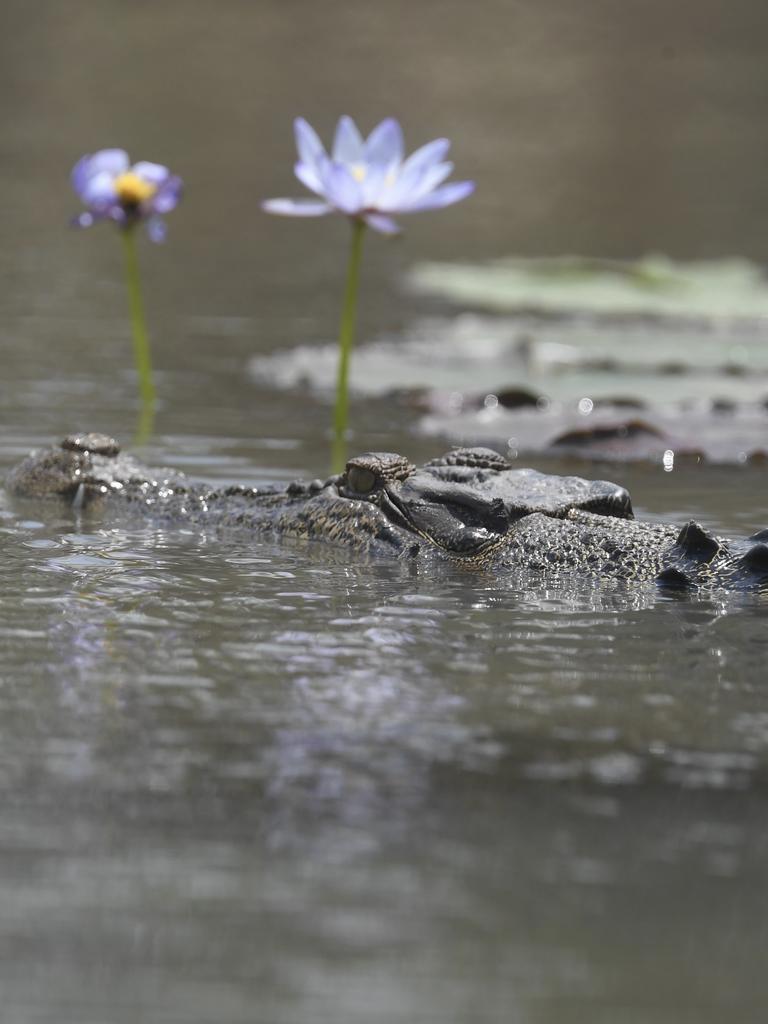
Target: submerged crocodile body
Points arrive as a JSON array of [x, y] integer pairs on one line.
[[470, 507]]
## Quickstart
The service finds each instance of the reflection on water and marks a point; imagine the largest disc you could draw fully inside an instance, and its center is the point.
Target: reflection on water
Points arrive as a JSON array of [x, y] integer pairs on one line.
[[246, 782], [235, 771]]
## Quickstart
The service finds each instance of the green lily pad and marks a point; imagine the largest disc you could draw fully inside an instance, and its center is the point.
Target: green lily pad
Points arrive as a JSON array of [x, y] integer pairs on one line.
[[686, 343], [655, 285], [562, 358]]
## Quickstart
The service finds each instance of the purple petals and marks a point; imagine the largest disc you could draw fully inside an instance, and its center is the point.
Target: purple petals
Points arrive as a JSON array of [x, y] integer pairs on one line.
[[157, 229], [84, 220], [434, 176], [99, 191], [384, 145], [342, 190], [347, 143], [309, 146], [168, 195], [374, 184], [432, 153], [112, 189], [370, 179], [308, 176], [115, 161], [419, 165], [106, 161], [445, 196], [79, 174], [153, 174], [296, 207], [379, 222], [409, 188]]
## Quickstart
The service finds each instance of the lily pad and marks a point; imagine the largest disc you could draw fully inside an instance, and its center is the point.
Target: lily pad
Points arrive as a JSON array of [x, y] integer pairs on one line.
[[655, 285], [581, 346], [561, 358]]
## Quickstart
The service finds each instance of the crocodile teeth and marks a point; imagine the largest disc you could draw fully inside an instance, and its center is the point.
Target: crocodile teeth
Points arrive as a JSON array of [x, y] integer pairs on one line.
[[675, 578], [694, 542]]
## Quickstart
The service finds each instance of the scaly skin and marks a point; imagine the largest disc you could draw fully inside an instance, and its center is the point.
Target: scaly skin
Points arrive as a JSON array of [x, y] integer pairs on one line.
[[469, 507]]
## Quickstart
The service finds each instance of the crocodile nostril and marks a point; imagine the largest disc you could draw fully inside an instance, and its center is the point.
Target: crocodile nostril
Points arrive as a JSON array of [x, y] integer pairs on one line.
[[675, 579], [756, 559], [694, 542]]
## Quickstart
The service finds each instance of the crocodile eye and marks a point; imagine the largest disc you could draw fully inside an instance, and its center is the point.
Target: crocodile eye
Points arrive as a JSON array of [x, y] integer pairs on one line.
[[361, 480]]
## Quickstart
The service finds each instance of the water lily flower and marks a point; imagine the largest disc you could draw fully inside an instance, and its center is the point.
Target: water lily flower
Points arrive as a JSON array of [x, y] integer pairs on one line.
[[368, 179], [113, 189]]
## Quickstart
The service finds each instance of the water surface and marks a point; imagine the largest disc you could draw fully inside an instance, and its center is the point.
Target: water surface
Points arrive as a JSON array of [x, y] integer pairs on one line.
[[248, 781]]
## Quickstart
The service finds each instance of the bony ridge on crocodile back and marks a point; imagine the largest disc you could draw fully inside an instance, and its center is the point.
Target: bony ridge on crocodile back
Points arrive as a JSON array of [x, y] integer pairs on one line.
[[469, 507]]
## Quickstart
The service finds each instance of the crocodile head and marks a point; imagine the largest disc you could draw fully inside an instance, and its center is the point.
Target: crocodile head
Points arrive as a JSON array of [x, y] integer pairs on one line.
[[470, 504], [465, 502]]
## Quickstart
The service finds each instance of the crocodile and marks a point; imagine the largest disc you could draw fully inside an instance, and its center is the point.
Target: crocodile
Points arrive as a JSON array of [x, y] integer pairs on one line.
[[470, 506]]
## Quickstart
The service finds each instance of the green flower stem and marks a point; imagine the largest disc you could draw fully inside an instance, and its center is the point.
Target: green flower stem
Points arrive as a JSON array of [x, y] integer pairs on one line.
[[140, 337], [346, 340]]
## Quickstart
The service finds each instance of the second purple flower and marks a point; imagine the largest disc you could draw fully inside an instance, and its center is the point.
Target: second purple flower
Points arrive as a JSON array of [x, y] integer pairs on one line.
[[369, 179], [111, 189]]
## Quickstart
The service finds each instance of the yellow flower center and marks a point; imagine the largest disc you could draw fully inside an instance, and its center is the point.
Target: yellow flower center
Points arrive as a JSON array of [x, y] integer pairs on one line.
[[359, 171], [132, 189]]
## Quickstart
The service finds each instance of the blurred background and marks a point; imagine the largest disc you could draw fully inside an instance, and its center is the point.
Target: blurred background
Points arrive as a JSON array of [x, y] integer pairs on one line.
[[594, 129]]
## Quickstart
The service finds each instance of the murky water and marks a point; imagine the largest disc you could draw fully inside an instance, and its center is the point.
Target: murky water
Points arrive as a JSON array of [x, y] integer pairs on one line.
[[244, 781]]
